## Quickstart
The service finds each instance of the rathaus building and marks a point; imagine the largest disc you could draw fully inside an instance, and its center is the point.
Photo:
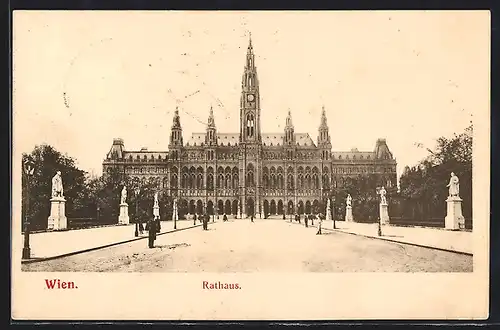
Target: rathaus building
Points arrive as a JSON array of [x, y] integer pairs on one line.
[[251, 171]]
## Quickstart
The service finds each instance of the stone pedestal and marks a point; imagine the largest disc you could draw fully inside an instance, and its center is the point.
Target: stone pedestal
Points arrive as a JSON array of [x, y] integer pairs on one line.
[[156, 212], [57, 218], [454, 219], [348, 213], [384, 214], [123, 218]]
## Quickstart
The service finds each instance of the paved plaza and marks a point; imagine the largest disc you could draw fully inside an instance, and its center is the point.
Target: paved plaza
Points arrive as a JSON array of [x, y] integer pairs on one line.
[[271, 245], [56, 243]]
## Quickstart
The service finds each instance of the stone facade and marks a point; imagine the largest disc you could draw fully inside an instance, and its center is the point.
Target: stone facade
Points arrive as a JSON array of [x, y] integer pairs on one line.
[[266, 173]]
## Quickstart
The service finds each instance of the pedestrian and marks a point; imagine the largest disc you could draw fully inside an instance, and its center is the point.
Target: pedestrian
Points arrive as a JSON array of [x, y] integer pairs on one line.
[[194, 219], [319, 225], [311, 217], [284, 216], [306, 222], [205, 221], [141, 227], [158, 225], [224, 218], [151, 232], [251, 217]]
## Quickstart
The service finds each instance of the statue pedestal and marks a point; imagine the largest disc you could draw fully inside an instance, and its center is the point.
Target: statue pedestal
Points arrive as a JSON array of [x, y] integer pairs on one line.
[[123, 218], [454, 219], [156, 211], [348, 213], [384, 214], [57, 219]]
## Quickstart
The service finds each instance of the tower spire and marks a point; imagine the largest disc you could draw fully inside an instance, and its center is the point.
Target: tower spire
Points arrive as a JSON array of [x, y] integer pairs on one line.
[[211, 120], [324, 123], [177, 121], [289, 123], [211, 136], [176, 130]]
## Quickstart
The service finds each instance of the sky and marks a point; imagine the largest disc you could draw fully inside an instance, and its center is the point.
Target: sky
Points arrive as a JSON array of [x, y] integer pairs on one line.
[[81, 79]]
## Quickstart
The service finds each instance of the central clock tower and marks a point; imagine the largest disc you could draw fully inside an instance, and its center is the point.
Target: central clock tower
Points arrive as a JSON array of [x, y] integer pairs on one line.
[[250, 101], [250, 149]]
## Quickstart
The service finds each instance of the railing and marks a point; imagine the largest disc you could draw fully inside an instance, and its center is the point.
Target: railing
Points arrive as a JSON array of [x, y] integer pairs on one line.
[[426, 222], [73, 224], [81, 223]]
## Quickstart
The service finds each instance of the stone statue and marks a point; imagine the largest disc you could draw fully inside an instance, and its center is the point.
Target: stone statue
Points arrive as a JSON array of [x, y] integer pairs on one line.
[[124, 195], [348, 200], [57, 185], [382, 193], [156, 199], [454, 186]]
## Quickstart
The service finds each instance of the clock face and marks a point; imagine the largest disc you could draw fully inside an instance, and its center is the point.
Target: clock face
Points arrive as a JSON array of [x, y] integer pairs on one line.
[[250, 97]]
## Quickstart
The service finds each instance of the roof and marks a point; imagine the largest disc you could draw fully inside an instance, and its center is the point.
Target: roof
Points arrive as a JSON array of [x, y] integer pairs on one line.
[[223, 139], [357, 155], [276, 139], [149, 154]]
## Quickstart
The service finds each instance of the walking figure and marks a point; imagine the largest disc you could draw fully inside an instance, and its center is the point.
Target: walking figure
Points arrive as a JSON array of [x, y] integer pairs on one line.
[[205, 221], [319, 225], [151, 228], [251, 217], [194, 219], [305, 221], [141, 227], [311, 217], [224, 218]]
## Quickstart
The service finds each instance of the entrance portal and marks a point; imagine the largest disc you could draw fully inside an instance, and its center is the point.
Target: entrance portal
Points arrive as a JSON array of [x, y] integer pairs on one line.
[[250, 207]]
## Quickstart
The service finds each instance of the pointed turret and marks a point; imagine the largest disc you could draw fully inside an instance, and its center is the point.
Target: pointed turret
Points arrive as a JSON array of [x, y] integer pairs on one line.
[[323, 136], [324, 142], [211, 136], [289, 130], [176, 130]]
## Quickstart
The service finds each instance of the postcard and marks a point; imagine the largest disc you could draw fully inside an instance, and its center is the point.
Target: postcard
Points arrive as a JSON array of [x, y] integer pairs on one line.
[[217, 165]]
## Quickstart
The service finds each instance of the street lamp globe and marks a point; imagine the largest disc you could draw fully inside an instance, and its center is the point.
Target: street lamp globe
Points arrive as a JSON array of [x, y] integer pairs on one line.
[[29, 166]]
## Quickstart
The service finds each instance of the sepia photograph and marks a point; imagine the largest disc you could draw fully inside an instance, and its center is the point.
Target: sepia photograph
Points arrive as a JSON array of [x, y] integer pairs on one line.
[[203, 152]]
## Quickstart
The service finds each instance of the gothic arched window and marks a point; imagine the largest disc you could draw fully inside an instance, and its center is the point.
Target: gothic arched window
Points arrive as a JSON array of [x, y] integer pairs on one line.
[[250, 125]]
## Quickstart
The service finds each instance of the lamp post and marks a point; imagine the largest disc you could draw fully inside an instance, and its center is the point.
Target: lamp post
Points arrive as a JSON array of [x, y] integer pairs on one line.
[[332, 211], [137, 190], [175, 212], [379, 224], [29, 169]]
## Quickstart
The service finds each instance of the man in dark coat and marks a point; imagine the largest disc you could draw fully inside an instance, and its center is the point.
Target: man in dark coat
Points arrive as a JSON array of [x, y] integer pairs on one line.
[[251, 217], [224, 218], [311, 217], [151, 226], [205, 222], [194, 219], [306, 222], [158, 225]]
